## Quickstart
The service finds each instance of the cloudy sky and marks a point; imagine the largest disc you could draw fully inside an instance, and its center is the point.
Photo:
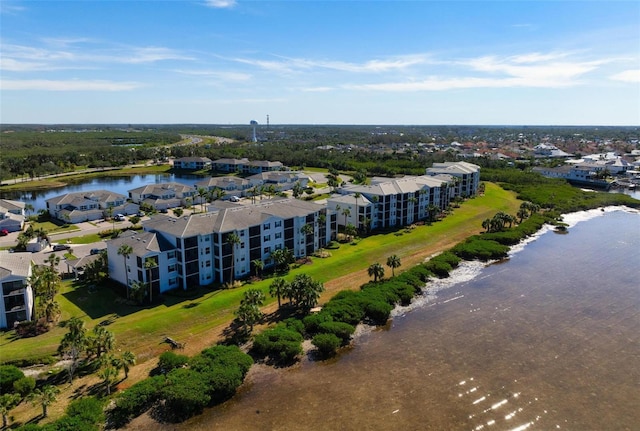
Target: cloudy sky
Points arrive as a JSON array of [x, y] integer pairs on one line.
[[320, 62]]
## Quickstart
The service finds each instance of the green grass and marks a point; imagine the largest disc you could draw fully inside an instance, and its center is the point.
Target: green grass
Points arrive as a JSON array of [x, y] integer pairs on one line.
[[51, 227], [85, 239], [143, 329]]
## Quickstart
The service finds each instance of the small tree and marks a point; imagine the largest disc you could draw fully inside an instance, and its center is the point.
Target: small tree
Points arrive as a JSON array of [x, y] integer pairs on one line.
[[376, 270], [279, 288], [393, 262], [248, 314], [73, 344], [7, 403], [44, 396]]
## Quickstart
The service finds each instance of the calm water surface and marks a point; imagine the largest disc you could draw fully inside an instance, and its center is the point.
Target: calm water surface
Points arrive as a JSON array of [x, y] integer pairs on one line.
[[120, 185], [549, 339]]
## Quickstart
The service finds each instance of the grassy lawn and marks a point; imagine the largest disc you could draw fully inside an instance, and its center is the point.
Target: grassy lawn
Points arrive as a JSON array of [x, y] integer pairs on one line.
[[51, 227], [142, 329]]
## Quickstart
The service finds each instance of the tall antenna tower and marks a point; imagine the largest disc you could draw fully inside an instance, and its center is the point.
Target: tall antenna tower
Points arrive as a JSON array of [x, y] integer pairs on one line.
[[267, 121]]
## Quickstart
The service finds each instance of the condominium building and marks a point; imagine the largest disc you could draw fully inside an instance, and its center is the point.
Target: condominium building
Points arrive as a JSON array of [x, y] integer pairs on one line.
[[197, 250], [17, 297]]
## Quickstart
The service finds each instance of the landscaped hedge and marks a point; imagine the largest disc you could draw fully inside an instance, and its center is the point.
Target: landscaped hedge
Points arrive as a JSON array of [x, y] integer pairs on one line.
[[83, 414], [484, 250], [280, 345]]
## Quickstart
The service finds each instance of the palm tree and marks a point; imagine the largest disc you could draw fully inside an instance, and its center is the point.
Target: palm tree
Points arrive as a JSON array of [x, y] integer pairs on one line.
[[376, 271], [73, 344], [393, 262], [350, 231], [149, 264], [278, 288], [346, 212], [233, 240], [28, 208], [103, 340], [126, 361], [357, 196], [258, 265], [125, 250], [7, 403], [109, 374], [202, 193], [44, 396]]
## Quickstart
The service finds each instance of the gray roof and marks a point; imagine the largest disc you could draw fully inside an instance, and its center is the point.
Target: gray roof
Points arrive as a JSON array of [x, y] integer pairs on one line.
[[222, 182], [77, 198], [142, 243], [10, 205], [158, 189], [393, 186], [18, 264], [453, 168], [230, 219]]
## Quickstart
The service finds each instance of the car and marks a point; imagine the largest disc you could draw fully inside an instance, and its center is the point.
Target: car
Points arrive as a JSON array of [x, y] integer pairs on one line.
[[4, 232], [234, 199], [96, 250], [60, 247], [120, 217]]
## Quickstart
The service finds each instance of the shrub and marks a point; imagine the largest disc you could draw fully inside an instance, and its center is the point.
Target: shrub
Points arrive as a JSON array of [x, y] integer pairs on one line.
[[475, 248], [378, 312], [440, 269], [294, 324], [279, 344], [89, 409], [228, 357], [312, 322], [185, 394], [222, 382], [24, 386], [138, 398], [340, 329], [8, 375], [170, 361], [327, 344]]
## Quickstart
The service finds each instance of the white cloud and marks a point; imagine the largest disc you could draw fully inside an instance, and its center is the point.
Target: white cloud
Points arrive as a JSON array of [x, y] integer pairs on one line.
[[222, 75], [632, 75], [69, 85], [220, 4]]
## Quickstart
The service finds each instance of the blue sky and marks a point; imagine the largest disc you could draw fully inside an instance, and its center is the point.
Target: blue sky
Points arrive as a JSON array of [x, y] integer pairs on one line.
[[320, 62]]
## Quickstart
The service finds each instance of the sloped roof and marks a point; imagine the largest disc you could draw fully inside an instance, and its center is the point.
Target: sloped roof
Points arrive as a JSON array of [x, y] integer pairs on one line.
[[18, 264]]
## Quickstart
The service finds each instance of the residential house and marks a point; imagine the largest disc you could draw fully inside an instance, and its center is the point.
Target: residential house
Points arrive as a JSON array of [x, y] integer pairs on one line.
[[229, 165], [281, 180], [12, 215], [192, 163], [231, 186], [164, 195], [91, 205], [17, 296]]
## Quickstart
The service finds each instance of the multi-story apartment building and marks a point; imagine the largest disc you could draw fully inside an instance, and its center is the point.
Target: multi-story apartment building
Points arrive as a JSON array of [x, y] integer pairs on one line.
[[196, 250], [467, 176], [192, 163], [389, 202], [91, 205], [17, 297]]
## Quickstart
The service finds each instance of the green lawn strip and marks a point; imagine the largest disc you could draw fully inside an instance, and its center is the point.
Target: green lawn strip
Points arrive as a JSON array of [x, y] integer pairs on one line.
[[85, 239], [52, 228], [142, 329]]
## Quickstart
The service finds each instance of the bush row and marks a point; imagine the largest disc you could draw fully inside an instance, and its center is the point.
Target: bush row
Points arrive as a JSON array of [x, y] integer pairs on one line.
[[185, 386], [83, 414]]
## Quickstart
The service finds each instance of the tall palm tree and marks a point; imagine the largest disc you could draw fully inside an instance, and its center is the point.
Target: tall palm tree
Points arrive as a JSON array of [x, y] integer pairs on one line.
[[202, 194], [357, 196], [258, 265], [346, 212], [376, 270], [233, 240], [278, 288], [149, 264], [393, 262], [125, 250], [7, 403]]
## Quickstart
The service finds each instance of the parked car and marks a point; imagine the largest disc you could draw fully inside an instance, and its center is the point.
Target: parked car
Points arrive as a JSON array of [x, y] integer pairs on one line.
[[60, 247], [96, 250], [4, 232], [120, 217], [234, 199]]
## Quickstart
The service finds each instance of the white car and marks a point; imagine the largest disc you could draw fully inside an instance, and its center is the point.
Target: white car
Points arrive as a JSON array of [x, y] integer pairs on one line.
[[234, 199]]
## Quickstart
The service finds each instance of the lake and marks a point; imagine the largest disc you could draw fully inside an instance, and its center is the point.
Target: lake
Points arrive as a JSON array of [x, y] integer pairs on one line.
[[120, 185], [548, 339]]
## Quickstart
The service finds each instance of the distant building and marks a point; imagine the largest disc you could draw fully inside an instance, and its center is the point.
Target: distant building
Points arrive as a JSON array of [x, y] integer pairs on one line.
[[192, 163], [17, 295], [467, 175]]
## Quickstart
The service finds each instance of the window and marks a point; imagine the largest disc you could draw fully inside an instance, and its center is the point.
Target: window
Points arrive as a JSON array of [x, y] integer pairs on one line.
[[207, 250], [278, 223], [267, 250], [266, 238], [266, 226], [208, 264], [278, 235], [172, 268]]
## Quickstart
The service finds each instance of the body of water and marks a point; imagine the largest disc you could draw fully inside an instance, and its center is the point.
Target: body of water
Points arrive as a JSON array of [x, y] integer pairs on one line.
[[549, 339], [120, 185]]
